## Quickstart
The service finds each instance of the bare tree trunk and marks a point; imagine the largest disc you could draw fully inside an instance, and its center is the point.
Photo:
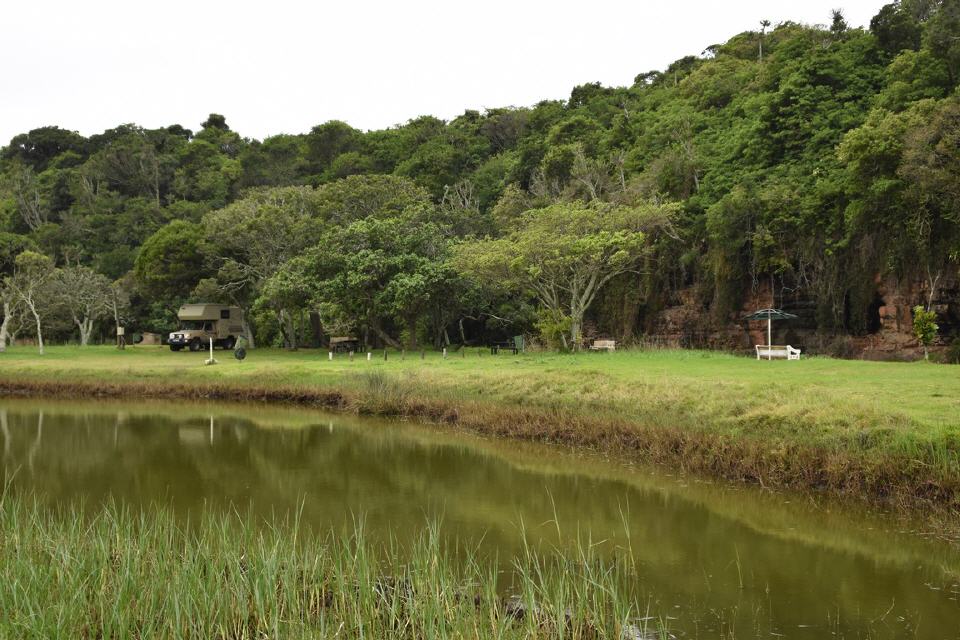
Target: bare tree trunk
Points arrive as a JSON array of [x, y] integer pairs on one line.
[[85, 325], [248, 332], [412, 331], [36, 319], [5, 325], [576, 323], [932, 281], [577, 309], [86, 328], [383, 336], [291, 330], [281, 326]]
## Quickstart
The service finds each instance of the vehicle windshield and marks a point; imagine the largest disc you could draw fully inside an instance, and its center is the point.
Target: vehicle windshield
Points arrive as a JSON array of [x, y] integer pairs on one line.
[[191, 325]]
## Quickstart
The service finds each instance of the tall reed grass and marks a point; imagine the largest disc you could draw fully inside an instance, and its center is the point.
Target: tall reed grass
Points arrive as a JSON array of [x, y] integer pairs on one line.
[[116, 573]]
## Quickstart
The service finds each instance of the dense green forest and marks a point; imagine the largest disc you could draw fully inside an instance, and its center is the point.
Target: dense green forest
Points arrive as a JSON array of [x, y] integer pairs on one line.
[[807, 160]]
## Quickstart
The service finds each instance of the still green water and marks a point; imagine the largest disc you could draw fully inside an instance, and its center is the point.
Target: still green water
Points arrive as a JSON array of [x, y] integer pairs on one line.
[[716, 560]]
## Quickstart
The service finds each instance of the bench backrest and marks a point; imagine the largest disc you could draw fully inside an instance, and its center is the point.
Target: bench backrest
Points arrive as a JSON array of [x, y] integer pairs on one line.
[[777, 351]]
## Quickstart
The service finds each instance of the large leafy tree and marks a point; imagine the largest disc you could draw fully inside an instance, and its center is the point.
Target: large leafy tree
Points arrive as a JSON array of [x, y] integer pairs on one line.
[[30, 284], [172, 261], [86, 295], [327, 141], [930, 167], [253, 237], [377, 274], [39, 147], [748, 147], [564, 255], [11, 245]]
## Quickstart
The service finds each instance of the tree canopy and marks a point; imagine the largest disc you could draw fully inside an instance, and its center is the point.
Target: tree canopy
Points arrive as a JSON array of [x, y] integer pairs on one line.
[[801, 163]]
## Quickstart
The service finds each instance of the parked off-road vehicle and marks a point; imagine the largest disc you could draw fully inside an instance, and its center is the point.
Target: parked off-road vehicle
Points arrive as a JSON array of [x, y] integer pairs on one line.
[[201, 322]]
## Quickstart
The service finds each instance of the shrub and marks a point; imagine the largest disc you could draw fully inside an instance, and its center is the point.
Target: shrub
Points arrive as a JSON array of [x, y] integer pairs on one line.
[[952, 354], [925, 328]]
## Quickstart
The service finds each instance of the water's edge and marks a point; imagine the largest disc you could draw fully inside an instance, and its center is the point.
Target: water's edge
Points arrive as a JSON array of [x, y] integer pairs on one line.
[[896, 486]]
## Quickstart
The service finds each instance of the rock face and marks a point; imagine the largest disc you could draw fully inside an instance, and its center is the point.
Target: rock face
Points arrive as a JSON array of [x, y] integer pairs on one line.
[[889, 334]]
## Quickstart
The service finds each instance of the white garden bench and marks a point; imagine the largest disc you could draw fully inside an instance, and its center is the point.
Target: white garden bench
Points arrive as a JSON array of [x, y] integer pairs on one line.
[[604, 345], [777, 351]]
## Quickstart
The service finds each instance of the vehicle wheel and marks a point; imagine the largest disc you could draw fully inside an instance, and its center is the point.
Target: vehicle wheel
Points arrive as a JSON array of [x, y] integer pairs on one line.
[[195, 344], [229, 343], [176, 347]]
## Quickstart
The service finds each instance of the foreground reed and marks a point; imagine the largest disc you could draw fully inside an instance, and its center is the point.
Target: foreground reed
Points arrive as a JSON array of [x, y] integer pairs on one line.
[[115, 573]]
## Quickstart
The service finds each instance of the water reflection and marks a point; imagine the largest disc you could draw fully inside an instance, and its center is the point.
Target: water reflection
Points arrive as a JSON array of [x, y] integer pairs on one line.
[[713, 557]]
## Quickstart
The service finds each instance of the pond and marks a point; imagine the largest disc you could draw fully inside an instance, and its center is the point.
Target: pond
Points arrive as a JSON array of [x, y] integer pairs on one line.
[[716, 559]]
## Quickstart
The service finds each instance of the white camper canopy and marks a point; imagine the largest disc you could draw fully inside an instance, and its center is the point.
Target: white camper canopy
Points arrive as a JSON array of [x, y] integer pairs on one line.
[[201, 311]]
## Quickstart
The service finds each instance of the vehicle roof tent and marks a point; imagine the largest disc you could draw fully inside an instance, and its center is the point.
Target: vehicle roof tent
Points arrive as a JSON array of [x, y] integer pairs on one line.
[[201, 311]]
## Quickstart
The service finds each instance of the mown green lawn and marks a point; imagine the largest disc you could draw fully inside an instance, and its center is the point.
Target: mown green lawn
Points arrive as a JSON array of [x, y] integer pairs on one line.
[[677, 384]]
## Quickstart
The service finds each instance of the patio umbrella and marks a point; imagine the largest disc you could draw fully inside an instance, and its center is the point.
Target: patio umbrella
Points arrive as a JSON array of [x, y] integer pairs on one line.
[[770, 315]]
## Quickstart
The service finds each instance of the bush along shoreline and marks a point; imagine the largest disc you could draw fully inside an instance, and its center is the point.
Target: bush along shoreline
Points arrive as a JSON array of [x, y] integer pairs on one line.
[[910, 475]]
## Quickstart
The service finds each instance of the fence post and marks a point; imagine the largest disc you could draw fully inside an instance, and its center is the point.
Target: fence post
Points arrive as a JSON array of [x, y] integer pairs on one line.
[[384, 355], [444, 353], [330, 356], [212, 360], [369, 356]]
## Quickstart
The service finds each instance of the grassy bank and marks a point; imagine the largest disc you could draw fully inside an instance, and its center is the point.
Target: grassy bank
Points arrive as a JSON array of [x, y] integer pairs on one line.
[[119, 574], [887, 432]]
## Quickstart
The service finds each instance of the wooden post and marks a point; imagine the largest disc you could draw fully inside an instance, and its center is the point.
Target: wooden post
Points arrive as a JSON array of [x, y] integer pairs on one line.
[[403, 354], [369, 356], [769, 338], [211, 360], [444, 353], [351, 356], [384, 355], [330, 356], [423, 354]]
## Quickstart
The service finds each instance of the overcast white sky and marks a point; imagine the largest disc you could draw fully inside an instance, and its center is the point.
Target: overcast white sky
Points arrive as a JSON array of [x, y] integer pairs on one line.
[[282, 66]]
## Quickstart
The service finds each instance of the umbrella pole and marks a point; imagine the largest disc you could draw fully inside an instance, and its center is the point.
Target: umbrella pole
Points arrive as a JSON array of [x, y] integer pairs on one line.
[[769, 338]]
